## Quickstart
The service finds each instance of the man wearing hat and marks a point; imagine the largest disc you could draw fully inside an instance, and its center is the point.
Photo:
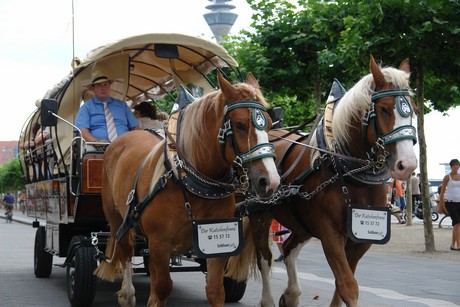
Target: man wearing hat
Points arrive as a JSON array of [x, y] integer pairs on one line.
[[103, 118]]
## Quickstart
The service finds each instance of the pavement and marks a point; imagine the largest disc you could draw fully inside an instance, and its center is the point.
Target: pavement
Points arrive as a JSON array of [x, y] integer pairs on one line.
[[405, 274]]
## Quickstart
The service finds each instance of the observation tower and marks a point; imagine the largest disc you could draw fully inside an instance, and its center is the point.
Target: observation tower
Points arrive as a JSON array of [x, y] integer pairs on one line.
[[220, 19]]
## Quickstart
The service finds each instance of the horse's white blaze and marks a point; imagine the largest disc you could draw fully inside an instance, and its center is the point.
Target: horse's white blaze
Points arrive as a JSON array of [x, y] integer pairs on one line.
[[405, 159], [269, 163]]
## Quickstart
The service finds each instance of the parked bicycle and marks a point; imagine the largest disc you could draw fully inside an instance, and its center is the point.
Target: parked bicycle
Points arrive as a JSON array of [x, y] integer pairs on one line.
[[417, 210]]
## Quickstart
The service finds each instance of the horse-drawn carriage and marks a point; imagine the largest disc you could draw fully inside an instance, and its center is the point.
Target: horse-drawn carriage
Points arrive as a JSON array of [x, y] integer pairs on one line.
[[66, 183]]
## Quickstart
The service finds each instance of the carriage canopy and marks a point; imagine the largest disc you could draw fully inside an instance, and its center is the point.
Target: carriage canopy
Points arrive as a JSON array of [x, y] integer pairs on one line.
[[142, 67]]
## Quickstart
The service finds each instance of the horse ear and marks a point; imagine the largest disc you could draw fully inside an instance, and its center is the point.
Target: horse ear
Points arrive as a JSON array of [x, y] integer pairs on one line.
[[251, 80], [404, 66], [225, 86], [379, 79]]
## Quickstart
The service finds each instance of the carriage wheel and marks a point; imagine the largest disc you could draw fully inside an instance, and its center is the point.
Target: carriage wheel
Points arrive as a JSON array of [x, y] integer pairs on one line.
[[434, 216], [234, 290], [43, 261], [81, 282]]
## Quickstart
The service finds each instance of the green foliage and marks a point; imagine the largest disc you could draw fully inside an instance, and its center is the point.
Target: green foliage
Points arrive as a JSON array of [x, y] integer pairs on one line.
[[11, 176], [296, 48]]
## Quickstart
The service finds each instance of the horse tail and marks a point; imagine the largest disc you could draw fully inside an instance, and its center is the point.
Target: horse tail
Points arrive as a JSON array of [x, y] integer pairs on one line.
[[243, 265], [119, 253]]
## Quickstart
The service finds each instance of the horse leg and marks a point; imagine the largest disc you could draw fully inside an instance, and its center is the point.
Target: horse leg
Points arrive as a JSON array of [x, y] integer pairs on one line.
[[161, 283], [126, 295], [354, 252], [260, 224], [292, 247], [215, 281], [345, 282]]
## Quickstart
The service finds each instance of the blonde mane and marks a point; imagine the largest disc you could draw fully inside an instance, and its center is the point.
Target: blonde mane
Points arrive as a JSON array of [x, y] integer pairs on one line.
[[195, 125], [357, 100]]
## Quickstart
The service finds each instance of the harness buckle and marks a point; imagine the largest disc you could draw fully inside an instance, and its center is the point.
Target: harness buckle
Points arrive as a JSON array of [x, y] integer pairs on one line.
[[345, 190], [130, 198]]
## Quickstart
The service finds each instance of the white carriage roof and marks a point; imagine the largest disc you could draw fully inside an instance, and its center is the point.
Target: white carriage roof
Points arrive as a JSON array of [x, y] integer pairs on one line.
[[139, 70]]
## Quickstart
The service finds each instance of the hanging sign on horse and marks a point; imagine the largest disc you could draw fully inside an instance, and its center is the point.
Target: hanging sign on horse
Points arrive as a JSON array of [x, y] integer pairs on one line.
[[217, 238], [369, 224]]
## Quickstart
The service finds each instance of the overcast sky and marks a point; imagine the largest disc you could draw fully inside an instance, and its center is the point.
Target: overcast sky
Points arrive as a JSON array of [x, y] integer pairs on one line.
[[38, 41]]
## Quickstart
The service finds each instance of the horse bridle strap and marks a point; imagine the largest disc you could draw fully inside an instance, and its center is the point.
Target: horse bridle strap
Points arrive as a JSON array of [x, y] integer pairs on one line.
[[260, 122], [404, 108]]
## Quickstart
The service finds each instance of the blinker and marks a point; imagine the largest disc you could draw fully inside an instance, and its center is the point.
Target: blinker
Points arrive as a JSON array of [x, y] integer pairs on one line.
[[259, 119], [403, 106]]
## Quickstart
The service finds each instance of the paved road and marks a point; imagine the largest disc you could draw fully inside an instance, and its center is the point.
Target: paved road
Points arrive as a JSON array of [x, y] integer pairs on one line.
[[385, 280]]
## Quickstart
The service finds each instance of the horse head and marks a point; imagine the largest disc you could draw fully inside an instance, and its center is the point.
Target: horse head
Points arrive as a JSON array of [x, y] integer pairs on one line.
[[394, 111], [383, 112], [244, 134]]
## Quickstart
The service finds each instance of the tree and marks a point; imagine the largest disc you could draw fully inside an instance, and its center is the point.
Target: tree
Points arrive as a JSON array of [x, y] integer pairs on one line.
[[427, 32], [296, 50], [11, 177], [293, 65]]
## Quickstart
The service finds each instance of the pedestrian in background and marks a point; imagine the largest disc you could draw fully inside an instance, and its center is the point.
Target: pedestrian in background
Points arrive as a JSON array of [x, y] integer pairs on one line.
[[398, 191], [449, 200], [415, 188], [8, 202], [278, 237]]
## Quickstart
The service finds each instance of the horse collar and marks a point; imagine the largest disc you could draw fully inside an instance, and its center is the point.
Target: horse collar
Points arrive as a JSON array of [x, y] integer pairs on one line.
[[190, 178]]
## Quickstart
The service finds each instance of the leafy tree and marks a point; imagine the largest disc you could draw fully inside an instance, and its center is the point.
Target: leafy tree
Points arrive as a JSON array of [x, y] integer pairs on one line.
[[296, 50], [427, 32], [11, 177], [289, 53]]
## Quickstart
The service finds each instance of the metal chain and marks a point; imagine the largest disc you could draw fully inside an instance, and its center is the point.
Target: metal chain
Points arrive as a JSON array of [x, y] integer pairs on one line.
[[333, 179], [244, 178], [179, 163]]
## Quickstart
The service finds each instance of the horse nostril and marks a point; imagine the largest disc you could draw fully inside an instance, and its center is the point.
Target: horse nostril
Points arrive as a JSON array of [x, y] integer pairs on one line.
[[400, 166], [263, 182]]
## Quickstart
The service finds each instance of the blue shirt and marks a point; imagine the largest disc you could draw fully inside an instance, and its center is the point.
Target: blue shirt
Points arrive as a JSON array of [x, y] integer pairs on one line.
[[8, 199], [91, 116]]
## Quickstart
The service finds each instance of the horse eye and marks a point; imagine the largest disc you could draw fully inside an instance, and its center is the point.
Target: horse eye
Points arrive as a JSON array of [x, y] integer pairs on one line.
[[240, 127], [385, 111]]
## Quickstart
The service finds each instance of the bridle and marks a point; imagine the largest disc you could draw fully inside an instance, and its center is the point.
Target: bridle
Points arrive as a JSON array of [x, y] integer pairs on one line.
[[404, 108], [259, 120]]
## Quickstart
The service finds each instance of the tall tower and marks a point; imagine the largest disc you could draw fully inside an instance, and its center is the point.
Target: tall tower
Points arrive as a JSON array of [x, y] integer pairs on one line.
[[220, 19]]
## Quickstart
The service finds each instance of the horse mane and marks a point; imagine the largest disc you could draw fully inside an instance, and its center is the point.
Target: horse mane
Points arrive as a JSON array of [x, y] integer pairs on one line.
[[357, 101], [194, 129], [195, 125]]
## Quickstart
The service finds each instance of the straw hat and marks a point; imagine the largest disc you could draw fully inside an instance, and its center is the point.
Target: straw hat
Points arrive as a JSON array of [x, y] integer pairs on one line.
[[100, 73]]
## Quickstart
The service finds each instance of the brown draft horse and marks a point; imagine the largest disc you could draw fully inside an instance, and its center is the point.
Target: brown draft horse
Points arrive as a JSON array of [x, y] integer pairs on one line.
[[205, 152], [368, 138]]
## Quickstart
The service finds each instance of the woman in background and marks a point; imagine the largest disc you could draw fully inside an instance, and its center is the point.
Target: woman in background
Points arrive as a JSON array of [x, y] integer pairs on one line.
[[449, 200]]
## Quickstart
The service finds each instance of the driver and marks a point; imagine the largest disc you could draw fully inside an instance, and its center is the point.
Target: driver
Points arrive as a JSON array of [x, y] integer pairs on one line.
[[92, 117]]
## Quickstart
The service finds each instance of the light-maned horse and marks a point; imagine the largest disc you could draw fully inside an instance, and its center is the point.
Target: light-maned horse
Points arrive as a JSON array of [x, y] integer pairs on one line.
[[366, 138], [219, 135]]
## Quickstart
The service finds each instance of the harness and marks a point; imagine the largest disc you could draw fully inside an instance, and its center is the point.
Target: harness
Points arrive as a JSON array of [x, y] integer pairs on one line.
[[370, 171], [189, 178]]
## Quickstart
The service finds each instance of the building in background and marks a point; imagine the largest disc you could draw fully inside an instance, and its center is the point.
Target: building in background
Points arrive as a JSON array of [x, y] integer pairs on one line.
[[9, 150], [220, 19]]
